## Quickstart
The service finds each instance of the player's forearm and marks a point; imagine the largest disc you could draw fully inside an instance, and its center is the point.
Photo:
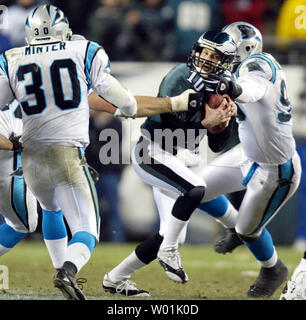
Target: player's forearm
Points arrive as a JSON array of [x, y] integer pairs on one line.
[[5, 144], [253, 89], [99, 104], [149, 106], [118, 96], [146, 106]]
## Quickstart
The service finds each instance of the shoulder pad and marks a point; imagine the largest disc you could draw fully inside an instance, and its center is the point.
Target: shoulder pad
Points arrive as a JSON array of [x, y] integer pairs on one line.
[[75, 37], [258, 63]]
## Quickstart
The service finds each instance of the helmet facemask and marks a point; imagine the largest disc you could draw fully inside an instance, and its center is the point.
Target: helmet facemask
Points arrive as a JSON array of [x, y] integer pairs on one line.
[[212, 57], [205, 66]]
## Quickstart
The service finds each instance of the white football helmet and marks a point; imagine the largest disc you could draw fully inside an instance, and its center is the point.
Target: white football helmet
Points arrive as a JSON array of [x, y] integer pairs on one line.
[[46, 24], [247, 37]]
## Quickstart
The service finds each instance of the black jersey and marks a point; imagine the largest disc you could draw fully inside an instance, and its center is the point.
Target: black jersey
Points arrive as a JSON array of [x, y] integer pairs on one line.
[[181, 127]]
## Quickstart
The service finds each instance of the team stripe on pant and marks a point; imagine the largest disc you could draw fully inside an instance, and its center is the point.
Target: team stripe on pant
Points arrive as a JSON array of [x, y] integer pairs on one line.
[[92, 189], [159, 170], [285, 174], [19, 194]]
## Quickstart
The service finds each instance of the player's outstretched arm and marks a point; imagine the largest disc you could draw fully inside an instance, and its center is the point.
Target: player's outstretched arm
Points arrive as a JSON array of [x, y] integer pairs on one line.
[[149, 106], [99, 104], [146, 106]]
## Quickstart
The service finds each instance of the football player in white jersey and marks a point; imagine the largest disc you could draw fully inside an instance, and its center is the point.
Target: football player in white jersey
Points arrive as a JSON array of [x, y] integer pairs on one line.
[[17, 203], [51, 78], [265, 164]]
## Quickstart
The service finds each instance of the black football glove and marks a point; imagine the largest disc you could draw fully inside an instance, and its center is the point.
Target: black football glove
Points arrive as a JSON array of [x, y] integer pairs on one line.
[[211, 84], [196, 106], [17, 145], [224, 85]]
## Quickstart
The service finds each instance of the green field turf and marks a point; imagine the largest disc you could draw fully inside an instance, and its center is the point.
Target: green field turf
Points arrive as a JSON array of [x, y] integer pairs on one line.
[[212, 276]]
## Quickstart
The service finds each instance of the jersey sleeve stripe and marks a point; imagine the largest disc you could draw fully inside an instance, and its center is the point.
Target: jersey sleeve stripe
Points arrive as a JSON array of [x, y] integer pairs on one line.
[[91, 51], [3, 64]]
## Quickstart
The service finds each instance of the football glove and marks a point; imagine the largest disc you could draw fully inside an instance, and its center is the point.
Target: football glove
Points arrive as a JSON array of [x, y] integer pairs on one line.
[[196, 106], [222, 85], [17, 145]]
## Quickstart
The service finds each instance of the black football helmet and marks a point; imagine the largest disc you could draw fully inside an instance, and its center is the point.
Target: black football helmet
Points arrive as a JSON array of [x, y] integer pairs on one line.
[[220, 42]]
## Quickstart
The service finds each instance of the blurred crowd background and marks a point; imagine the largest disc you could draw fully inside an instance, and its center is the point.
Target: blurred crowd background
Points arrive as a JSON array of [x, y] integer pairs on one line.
[[164, 31]]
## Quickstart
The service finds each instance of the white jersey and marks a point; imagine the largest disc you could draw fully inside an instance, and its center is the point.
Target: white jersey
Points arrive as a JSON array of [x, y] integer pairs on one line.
[[265, 121], [10, 123], [51, 82]]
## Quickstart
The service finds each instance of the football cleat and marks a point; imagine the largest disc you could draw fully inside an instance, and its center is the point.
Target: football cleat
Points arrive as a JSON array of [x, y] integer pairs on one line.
[[124, 287], [268, 281], [68, 285], [295, 289], [228, 242], [170, 259]]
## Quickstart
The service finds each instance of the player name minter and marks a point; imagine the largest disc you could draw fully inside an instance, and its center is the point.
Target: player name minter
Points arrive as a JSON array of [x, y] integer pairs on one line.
[[40, 49]]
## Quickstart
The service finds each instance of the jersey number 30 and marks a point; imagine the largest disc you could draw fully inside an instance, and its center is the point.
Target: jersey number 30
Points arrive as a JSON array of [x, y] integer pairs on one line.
[[58, 93]]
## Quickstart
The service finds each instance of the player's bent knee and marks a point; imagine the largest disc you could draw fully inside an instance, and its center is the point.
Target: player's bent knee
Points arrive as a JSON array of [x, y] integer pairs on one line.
[[247, 238], [196, 194], [187, 203]]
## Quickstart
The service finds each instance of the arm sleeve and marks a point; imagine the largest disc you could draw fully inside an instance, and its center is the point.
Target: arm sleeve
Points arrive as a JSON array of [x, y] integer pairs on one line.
[[108, 87], [217, 142], [5, 122], [253, 88], [254, 76], [7, 95]]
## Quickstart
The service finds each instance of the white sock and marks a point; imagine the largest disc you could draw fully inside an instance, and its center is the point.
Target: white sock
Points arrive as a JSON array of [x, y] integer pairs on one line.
[[57, 250], [173, 230], [124, 269], [271, 262], [79, 254], [4, 250], [229, 218]]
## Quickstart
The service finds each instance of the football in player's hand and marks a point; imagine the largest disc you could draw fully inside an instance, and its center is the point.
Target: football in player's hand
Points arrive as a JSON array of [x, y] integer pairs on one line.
[[215, 100]]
